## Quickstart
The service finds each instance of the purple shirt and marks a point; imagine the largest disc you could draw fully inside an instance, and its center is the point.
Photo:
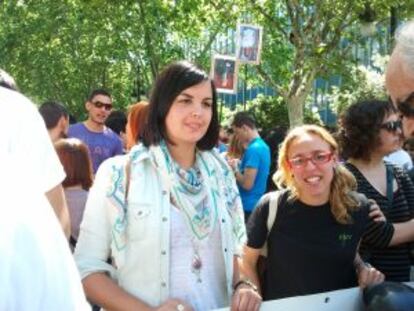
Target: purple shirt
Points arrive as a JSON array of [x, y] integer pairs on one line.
[[101, 145]]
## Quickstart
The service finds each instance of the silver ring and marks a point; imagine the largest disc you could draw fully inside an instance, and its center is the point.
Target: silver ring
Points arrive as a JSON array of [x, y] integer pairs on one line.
[[180, 307]]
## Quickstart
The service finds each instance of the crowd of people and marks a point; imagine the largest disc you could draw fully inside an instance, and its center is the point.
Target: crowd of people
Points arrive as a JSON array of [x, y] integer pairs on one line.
[[158, 209]]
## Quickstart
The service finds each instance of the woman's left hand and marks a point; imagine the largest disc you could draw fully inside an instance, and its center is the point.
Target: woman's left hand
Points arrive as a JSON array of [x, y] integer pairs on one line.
[[368, 275], [246, 299], [375, 212]]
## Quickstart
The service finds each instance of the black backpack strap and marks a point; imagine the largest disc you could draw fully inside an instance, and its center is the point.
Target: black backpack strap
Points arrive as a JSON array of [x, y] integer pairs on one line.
[[390, 187]]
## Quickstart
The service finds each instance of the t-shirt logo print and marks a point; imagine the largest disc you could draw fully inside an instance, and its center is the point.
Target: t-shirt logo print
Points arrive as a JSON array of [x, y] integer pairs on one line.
[[343, 238]]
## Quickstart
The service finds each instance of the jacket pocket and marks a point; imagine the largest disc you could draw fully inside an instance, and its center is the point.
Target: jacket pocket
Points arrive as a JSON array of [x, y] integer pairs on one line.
[[138, 220]]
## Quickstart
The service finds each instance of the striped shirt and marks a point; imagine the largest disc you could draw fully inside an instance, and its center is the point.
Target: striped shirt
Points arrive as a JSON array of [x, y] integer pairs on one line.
[[393, 261]]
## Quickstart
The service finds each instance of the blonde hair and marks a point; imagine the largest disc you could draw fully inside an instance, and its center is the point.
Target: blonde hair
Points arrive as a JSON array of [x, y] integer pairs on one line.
[[236, 148], [343, 181]]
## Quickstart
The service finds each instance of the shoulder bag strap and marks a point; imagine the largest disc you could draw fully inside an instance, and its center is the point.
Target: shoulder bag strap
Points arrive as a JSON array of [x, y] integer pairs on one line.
[[273, 205], [390, 188], [271, 217]]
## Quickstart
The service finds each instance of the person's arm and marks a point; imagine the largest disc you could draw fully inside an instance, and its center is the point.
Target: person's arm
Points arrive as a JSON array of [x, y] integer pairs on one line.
[[378, 233], [250, 166], [46, 167], [94, 247], [246, 180], [367, 275], [246, 296], [57, 200], [403, 233], [248, 266], [100, 289]]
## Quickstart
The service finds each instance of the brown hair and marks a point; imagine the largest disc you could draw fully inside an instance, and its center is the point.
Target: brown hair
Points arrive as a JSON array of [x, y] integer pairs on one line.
[[343, 181], [74, 156], [360, 126], [137, 117], [236, 148], [174, 79]]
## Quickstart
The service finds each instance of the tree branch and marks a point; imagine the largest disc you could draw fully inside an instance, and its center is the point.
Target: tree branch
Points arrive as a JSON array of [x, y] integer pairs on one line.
[[148, 43], [269, 18], [269, 79]]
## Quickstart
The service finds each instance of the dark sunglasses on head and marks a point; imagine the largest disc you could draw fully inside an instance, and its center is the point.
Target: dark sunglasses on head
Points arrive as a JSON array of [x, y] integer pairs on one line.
[[406, 107], [392, 126], [98, 104]]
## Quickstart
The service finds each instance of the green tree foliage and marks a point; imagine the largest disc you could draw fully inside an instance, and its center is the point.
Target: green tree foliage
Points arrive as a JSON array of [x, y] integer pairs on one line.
[[304, 39], [63, 49], [270, 112], [362, 84]]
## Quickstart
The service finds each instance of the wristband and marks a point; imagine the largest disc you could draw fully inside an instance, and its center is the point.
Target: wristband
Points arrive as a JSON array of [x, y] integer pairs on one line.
[[245, 282]]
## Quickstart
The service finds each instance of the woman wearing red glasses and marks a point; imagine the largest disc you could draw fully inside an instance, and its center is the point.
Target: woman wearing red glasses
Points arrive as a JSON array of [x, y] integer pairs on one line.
[[312, 245], [369, 131]]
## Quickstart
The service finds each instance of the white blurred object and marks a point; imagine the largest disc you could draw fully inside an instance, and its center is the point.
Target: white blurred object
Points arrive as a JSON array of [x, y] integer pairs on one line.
[[37, 270], [401, 158]]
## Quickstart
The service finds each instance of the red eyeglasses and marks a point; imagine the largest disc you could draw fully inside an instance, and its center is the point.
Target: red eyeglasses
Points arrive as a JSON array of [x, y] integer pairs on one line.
[[317, 158], [98, 104]]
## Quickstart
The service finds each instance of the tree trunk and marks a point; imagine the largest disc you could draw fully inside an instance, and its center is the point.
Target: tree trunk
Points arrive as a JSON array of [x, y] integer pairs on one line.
[[296, 99], [295, 110]]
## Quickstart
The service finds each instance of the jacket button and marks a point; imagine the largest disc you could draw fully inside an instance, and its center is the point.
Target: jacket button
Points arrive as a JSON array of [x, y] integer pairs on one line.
[[163, 252], [163, 284], [164, 192], [164, 219]]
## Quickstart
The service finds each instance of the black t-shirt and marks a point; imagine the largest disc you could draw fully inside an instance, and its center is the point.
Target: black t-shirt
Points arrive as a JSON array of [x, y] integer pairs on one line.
[[308, 250]]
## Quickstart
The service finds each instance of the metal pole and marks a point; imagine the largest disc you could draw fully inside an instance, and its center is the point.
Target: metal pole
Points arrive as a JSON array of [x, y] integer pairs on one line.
[[244, 87]]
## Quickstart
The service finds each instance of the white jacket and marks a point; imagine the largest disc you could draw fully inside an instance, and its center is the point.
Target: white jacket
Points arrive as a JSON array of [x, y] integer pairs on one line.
[[142, 260]]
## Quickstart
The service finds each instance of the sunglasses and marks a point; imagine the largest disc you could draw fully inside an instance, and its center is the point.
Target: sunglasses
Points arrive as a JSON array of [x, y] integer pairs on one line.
[[406, 107], [392, 126], [317, 158], [98, 104]]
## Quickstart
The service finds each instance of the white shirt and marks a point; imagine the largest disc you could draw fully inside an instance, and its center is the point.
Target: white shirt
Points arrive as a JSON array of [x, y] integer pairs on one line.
[[401, 158], [37, 271], [211, 292], [24, 139]]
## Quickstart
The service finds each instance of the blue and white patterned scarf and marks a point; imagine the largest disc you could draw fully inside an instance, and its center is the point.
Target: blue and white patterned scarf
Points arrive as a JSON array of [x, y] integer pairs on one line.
[[211, 181]]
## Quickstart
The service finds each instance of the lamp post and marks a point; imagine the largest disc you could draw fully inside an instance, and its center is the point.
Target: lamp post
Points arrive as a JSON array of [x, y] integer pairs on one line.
[[393, 22], [367, 18]]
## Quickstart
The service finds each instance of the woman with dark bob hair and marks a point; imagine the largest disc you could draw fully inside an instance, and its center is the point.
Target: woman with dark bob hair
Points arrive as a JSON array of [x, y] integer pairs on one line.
[[75, 159], [370, 130], [168, 214]]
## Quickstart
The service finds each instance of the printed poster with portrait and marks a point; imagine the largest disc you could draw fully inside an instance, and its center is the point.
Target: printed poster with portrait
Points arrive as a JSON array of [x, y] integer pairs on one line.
[[249, 43], [224, 73]]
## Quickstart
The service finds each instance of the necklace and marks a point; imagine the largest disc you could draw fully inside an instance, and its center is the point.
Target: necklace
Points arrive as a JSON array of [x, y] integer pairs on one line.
[[196, 263]]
